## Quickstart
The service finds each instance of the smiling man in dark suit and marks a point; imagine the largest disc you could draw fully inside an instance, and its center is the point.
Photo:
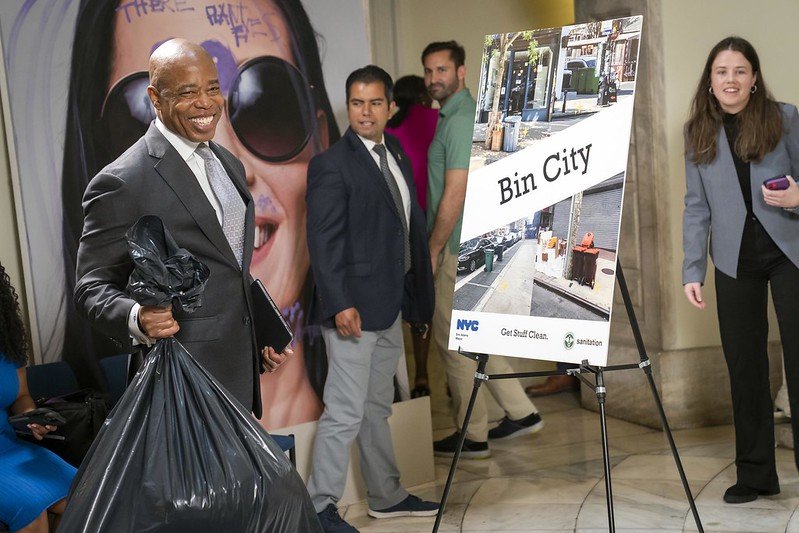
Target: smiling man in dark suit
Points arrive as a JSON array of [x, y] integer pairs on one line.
[[369, 254], [199, 191]]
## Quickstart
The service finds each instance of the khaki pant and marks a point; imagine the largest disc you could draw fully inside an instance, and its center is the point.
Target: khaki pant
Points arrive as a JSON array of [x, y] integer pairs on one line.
[[508, 393]]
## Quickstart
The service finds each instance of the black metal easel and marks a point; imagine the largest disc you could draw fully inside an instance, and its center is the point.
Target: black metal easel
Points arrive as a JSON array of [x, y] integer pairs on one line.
[[598, 385]]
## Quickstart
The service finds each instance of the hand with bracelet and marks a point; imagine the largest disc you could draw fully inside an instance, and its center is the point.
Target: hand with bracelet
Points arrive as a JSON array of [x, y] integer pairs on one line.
[[420, 328]]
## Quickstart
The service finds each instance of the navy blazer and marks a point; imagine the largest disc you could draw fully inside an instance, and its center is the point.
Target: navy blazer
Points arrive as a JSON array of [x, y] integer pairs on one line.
[[713, 199], [355, 239], [151, 178]]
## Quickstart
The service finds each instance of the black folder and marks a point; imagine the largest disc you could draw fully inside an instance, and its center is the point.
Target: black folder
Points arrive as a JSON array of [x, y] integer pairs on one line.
[[271, 329]]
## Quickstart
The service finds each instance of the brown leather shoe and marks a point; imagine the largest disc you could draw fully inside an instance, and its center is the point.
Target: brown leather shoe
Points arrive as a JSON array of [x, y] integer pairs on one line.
[[554, 385]]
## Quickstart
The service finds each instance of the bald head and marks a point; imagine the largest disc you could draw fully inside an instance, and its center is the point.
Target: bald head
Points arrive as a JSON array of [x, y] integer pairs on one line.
[[184, 89], [175, 55]]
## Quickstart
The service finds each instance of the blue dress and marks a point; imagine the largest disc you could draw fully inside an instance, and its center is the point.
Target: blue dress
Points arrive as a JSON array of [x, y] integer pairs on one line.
[[32, 478]]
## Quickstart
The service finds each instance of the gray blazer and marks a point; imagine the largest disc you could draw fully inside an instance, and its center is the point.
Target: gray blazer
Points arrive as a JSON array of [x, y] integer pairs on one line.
[[713, 200], [151, 178]]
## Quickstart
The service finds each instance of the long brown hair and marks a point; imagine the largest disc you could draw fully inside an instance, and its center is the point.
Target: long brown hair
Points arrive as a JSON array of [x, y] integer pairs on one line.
[[13, 340], [759, 123]]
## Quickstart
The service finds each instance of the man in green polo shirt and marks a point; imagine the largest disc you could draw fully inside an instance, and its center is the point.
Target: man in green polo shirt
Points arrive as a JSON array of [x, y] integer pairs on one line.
[[447, 169]]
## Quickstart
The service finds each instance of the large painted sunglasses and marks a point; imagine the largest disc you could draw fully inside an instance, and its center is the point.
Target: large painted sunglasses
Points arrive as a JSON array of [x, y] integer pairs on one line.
[[270, 104]]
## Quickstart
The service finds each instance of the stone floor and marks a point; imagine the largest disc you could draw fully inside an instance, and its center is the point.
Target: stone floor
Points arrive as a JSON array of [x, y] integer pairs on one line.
[[553, 480]]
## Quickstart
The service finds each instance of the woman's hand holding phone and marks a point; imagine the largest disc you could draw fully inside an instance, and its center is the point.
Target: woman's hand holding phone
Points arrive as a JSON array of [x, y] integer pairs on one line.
[[781, 191]]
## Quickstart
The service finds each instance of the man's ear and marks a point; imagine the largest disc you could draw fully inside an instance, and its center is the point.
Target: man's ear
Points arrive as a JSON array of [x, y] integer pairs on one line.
[[323, 134], [392, 108], [155, 98], [461, 72]]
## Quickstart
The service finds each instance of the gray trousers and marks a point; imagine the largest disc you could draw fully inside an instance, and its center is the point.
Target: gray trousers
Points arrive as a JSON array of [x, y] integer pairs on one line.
[[358, 395]]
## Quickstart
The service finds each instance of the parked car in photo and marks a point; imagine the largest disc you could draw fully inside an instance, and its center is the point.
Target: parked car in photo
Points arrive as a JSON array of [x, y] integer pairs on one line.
[[581, 62], [472, 254]]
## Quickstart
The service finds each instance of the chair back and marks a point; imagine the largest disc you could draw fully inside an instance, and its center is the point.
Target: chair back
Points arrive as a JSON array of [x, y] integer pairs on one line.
[[286, 443], [51, 379]]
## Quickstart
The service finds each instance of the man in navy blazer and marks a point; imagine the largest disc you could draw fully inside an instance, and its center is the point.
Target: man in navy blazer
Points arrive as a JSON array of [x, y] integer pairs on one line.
[[369, 254]]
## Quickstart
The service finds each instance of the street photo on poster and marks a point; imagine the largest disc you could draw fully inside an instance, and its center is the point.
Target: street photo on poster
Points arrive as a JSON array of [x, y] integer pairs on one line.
[[531, 252], [537, 260]]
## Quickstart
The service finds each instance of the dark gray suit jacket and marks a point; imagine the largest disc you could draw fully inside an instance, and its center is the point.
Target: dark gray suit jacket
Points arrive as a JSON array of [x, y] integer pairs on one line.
[[151, 178], [713, 200], [355, 239]]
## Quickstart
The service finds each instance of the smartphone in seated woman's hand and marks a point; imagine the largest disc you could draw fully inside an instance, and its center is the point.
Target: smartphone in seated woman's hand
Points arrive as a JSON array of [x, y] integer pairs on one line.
[[41, 416]]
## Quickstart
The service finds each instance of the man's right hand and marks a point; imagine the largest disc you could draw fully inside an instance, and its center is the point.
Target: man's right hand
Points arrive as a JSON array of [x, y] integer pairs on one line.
[[348, 322], [157, 322], [693, 291]]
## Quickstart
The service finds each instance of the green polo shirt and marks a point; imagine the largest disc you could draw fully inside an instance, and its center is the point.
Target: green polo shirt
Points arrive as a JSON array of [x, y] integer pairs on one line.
[[451, 148]]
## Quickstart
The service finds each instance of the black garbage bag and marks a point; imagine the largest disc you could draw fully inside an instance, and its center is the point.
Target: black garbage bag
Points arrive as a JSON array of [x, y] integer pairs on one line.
[[163, 273], [178, 453]]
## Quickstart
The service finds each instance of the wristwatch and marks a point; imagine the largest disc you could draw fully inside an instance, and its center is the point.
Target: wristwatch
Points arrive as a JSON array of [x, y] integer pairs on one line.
[[420, 328]]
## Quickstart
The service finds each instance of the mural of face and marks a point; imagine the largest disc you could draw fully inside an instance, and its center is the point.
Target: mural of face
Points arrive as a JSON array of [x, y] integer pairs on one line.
[[251, 32]]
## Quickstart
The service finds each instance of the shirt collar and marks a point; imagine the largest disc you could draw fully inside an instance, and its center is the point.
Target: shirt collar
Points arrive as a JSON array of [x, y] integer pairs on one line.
[[184, 146], [370, 144], [454, 102]]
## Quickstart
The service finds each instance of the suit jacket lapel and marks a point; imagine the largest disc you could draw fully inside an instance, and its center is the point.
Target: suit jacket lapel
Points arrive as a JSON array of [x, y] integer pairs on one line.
[[374, 174], [177, 174], [240, 181], [402, 160], [726, 165], [726, 174]]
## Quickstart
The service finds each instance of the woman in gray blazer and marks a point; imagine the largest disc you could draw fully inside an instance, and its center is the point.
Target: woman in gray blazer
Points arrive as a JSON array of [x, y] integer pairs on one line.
[[737, 137]]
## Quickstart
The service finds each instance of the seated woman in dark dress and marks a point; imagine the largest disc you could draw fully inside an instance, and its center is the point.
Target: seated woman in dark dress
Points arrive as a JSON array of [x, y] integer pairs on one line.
[[33, 480]]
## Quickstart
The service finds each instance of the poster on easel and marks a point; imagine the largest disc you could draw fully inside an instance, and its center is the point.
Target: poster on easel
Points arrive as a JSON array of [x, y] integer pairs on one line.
[[540, 234]]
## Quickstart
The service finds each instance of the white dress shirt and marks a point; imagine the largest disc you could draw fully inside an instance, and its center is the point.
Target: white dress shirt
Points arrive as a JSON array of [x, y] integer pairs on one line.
[[186, 149], [393, 166]]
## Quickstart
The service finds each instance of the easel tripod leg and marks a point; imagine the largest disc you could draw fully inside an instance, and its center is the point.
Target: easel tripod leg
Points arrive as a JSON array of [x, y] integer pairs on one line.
[[646, 366], [667, 430], [479, 377], [601, 393]]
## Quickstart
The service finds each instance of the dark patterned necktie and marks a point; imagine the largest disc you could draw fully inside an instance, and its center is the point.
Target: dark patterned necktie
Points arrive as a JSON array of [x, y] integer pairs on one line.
[[393, 187], [233, 208]]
